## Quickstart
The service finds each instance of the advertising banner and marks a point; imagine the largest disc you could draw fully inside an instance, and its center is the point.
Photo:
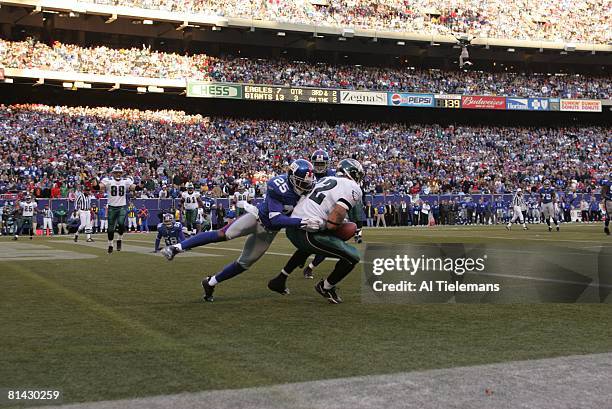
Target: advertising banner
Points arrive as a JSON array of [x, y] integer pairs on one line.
[[363, 98], [483, 102], [581, 105], [201, 89], [539, 104], [519, 104], [410, 100]]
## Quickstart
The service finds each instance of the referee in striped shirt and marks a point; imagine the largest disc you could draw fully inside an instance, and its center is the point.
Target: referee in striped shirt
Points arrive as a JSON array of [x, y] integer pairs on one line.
[[82, 205], [518, 204]]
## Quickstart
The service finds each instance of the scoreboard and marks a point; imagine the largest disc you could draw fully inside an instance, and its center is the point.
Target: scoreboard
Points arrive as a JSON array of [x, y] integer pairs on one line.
[[452, 101], [290, 94], [262, 92]]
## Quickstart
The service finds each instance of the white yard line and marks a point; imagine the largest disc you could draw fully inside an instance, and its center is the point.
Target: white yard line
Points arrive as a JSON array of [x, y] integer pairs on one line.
[[581, 381]]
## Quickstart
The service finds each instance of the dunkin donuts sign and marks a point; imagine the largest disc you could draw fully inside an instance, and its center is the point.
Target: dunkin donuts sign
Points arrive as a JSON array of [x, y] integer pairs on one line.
[[483, 102]]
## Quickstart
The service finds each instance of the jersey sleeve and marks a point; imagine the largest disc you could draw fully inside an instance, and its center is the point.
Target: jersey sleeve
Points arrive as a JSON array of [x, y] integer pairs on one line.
[[350, 195]]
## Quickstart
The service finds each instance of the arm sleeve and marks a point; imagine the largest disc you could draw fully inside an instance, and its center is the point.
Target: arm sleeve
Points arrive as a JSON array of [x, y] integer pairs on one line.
[[280, 220]]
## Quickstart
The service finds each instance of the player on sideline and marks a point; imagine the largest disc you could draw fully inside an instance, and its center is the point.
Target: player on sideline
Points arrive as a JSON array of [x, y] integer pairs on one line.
[[329, 203], [260, 224], [28, 212], [606, 201], [518, 203], [190, 203], [169, 230], [117, 188], [548, 202], [82, 205]]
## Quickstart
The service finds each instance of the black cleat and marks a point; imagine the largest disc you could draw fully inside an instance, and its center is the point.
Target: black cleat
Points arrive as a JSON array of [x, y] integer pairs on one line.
[[549, 229], [330, 294], [15, 238], [169, 252], [208, 290], [76, 239], [110, 249], [308, 273], [31, 237], [557, 228], [279, 284], [607, 230], [118, 245]]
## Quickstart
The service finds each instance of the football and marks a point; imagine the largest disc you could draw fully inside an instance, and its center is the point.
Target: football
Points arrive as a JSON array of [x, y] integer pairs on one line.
[[346, 231]]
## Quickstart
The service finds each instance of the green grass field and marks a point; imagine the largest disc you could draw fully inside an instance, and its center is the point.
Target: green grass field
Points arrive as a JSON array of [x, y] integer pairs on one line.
[[132, 324]]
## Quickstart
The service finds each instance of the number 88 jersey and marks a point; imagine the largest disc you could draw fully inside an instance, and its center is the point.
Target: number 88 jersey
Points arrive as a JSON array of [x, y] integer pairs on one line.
[[327, 193], [117, 190]]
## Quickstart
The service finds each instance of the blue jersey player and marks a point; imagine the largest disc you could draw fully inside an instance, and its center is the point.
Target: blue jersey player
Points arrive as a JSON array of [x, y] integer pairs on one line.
[[606, 199], [320, 160], [260, 224], [170, 231], [548, 200]]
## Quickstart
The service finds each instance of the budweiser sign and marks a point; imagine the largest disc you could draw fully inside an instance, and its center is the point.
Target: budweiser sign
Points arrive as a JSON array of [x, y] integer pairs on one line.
[[483, 102]]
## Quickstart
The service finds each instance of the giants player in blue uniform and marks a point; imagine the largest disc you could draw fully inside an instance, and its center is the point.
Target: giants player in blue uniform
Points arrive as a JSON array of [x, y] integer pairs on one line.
[[170, 231], [261, 223], [606, 199], [548, 200]]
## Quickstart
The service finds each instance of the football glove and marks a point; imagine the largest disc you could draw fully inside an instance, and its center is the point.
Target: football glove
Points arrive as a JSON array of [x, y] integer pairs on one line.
[[311, 225]]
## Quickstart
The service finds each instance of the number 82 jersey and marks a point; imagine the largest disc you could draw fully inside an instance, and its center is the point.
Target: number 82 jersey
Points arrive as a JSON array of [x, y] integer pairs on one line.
[[117, 190], [327, 193]]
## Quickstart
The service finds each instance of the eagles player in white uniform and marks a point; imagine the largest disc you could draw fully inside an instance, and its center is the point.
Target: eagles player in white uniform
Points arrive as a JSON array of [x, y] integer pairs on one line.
[[117, 188], [28, 212], [328, 203], [240, 198], [191, 202]]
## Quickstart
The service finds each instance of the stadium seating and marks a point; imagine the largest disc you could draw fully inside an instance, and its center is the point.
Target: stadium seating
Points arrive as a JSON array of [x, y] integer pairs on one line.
[[143, 62], [585, 21], [42, 146]]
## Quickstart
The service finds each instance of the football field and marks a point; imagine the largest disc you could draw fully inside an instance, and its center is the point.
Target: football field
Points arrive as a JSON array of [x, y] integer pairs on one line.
[[131, 324]]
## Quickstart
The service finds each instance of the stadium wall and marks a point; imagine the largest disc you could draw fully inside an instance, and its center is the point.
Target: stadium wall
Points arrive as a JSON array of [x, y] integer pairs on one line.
[[157, 206]]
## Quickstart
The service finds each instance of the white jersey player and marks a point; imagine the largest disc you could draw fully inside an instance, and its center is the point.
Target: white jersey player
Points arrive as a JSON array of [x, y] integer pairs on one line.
[[117, 188], [28, 212], [328, 204], [327, 193], [191, 201]]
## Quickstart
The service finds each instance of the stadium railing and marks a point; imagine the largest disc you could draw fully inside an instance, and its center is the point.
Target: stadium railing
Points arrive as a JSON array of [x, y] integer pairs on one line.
[[255, 22]]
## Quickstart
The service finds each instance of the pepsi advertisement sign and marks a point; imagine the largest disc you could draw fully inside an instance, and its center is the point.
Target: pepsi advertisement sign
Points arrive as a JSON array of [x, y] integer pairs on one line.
[[539, 104], [410, 100]]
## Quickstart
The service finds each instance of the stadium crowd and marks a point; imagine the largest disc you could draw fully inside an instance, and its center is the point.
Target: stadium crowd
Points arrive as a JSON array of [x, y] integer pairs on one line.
[[582, 20], [144, 62], [48, 150]]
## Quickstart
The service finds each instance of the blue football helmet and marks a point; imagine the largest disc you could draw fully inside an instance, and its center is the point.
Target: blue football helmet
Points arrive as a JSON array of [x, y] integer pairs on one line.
[[320, 160], [301, 176], [168, 220]]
